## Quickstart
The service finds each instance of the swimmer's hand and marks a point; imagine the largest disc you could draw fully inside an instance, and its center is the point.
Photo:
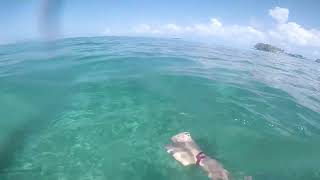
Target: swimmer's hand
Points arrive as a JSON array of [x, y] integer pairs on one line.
[[181, 154]]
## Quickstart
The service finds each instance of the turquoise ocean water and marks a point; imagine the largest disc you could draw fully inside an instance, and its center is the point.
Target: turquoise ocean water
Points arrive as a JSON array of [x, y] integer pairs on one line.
[[105, 107]]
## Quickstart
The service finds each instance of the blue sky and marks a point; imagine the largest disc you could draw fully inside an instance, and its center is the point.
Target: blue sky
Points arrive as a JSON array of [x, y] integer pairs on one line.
[[293, 25]]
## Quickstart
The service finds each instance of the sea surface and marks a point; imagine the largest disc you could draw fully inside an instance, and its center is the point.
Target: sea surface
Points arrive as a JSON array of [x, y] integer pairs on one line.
[[104, 108]]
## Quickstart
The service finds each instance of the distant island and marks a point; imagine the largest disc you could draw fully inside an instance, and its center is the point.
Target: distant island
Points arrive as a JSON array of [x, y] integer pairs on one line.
[[318, 60], [295, 55], [273, 49], [268, 48]]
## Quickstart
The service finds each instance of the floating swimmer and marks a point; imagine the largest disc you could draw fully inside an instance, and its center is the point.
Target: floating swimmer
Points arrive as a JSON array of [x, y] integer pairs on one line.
[[187, 152]]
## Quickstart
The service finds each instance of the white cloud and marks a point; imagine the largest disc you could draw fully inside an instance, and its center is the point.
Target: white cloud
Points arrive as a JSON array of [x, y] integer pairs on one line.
[[281, 15], [146, 29], [142, 28], [173, 28], [106, 31], [286, 34], [214, 28], [291, 35], [294, 34]]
